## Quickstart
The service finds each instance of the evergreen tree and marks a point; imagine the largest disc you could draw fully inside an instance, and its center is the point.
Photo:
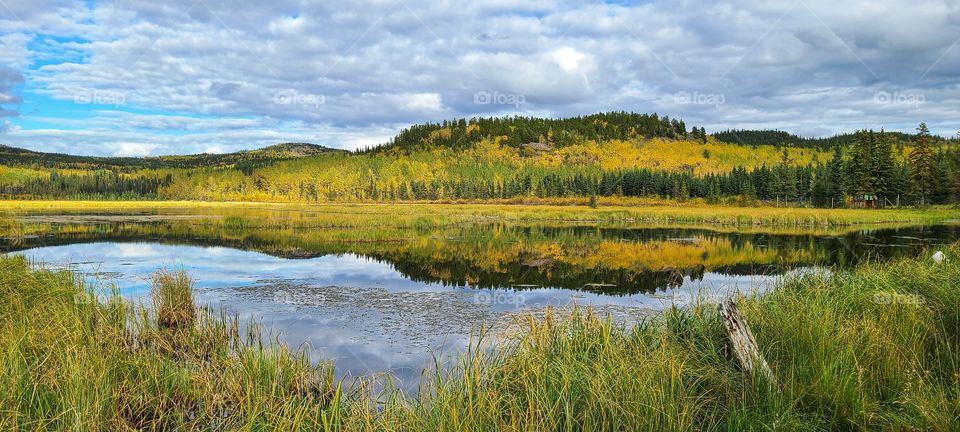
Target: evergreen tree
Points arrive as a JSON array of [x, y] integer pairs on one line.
[[883, 165], [861, 174], [942, 172], [747, 189], [955, 165], [921, 165], [835, 180]]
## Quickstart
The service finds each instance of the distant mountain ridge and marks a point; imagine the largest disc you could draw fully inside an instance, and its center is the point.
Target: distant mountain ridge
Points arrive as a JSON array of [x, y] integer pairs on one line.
[[782, 138], [14, 156]]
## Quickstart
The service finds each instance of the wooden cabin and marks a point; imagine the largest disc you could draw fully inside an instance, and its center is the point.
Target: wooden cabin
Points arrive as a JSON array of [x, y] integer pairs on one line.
[[866, 201]]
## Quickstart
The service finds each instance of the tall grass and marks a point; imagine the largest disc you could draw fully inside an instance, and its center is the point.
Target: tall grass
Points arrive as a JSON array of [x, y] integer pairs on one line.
[[877, 348], [10, 227], [172, 294]]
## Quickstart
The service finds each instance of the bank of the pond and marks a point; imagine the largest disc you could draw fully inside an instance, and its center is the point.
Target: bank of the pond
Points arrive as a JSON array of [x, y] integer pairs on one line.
[[876, 348], [420, 215]]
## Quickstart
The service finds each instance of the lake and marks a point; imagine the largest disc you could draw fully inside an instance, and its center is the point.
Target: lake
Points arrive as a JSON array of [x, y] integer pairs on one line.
[[395, 300]]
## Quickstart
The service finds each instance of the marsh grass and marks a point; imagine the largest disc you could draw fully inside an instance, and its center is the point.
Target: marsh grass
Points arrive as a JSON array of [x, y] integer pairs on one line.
[[876, 348], [428, 215], [172, 295], [10, 227]]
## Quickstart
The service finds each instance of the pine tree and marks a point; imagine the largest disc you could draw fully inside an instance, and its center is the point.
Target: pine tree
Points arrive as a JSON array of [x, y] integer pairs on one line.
[[955, 156], [785, 179], [747, 189], [883, 165], [835, 172], [684, 191], [861, 175], [921, 165]]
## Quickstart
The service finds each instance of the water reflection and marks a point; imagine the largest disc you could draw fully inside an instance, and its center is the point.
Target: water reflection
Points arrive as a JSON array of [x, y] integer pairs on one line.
[[608, 260], [390, 304], [361, 312]]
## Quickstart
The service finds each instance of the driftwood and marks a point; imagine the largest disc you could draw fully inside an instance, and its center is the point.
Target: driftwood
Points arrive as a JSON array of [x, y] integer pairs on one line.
[[744, 345]]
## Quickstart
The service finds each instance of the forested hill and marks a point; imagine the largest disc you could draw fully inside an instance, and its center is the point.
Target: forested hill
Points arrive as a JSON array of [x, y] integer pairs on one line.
[[518, 131], [547, 133], [17, 157], [781, 138], [618, 155]]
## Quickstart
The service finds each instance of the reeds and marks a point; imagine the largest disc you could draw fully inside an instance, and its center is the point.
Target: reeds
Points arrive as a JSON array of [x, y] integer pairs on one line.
[[172, 294], [10, 227], [420, 214], [876, 348]]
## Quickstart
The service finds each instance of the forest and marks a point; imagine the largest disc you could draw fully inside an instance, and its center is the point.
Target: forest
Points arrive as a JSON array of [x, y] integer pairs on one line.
[[602, 155]]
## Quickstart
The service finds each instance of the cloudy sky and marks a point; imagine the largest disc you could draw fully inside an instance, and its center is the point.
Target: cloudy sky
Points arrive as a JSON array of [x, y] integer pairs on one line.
[[147, 77]]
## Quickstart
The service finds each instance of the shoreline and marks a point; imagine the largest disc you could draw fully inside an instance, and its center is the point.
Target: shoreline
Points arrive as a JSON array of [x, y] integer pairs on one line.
[[443, 214], [875, 347]]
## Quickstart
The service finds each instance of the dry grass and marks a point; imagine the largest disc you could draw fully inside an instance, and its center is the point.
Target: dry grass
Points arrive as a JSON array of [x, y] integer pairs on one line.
[[444, 214]]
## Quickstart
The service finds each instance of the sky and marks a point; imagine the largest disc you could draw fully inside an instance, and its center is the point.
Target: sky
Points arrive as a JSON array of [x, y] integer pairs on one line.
[[135, 78]]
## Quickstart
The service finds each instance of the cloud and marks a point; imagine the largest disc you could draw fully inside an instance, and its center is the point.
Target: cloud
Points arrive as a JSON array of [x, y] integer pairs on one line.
[[239, 73], [9, 79], [132, 149]]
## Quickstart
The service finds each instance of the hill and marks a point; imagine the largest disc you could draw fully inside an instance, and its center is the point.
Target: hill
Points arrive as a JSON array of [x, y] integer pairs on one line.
[[616, 154], [519, 131], [18, 157], [781, 138]]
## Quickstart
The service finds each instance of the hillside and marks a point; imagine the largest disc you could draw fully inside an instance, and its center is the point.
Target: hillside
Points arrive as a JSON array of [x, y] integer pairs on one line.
[[519, 131], [608, 154]]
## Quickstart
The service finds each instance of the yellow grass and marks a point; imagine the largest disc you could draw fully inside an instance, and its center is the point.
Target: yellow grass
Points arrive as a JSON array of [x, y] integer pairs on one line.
[[441, 214]]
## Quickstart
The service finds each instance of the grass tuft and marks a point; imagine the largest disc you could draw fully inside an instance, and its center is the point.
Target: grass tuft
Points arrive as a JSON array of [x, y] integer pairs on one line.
[[172, 294], [10, 227]]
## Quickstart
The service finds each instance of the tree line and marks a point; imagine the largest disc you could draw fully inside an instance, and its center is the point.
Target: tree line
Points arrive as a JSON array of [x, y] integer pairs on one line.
[[518, 130], [459, 160], [96, 184], [782, 138]]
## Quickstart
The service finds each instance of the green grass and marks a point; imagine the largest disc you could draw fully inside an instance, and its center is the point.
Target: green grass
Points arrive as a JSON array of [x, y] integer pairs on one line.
[[876, 348]]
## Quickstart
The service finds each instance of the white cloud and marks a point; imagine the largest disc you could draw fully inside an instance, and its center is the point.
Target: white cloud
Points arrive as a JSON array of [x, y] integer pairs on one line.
[[425, 102], [215, 68], [132, 149], [568, 58]]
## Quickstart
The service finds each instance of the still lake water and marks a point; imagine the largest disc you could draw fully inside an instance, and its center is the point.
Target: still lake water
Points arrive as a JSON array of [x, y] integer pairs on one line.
[[393, 306]]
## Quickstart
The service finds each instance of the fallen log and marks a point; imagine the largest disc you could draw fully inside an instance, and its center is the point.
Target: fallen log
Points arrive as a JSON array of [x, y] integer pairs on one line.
[[743, 342]]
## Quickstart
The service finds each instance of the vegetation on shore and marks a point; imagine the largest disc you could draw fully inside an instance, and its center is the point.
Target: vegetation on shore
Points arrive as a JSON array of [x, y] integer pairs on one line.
[[413, 215], [448, 245], [876, 348]]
